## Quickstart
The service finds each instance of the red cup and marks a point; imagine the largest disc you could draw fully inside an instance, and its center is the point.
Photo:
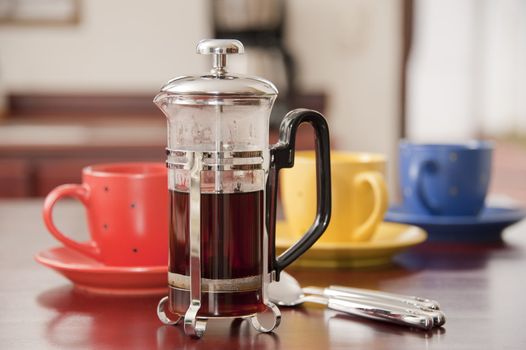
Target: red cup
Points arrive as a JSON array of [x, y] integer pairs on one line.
[[127, 210]]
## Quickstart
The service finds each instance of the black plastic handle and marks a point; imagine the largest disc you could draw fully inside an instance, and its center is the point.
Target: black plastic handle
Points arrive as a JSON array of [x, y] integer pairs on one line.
[[282, 156]]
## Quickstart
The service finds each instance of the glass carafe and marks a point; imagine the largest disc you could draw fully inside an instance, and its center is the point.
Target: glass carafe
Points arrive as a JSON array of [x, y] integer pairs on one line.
[[222, 179]]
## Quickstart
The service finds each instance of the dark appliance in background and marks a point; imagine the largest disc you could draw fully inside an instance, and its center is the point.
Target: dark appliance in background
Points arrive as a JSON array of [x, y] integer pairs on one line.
[[259, 25]]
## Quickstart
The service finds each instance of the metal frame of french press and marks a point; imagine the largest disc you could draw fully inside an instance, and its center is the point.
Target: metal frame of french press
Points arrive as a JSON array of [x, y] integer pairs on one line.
[[196, 162]]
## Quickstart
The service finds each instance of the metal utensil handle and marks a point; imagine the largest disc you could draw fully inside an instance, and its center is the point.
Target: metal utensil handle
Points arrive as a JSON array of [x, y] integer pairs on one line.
[[339, 291], [439, 318], [411, 318]]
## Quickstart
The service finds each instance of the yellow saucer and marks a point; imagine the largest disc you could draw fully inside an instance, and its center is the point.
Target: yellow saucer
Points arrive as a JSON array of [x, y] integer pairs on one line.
[[389, 239]]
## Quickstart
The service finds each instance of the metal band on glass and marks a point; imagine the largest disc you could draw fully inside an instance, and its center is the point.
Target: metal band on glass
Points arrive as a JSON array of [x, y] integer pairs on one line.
[[231, 285], [225, 160]]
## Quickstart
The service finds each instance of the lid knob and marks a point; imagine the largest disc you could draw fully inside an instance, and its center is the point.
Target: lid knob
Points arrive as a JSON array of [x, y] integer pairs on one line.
[[219, 48]]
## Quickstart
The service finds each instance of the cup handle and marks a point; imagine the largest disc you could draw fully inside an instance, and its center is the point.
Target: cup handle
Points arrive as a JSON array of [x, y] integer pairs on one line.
[[376, 181], [418, 178], [282, 156], [80, 192]]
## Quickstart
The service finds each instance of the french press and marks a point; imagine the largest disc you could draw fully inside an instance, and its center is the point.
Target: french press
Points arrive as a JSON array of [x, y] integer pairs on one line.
[[222, 179]]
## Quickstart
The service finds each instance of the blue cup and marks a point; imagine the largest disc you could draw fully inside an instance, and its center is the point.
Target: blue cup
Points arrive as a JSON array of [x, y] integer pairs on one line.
[[445, 179]]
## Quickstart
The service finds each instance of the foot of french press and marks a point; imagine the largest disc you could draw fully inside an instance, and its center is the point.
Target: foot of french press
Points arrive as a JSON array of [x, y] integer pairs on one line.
[[162, 315], [194, 326], [277, 319]]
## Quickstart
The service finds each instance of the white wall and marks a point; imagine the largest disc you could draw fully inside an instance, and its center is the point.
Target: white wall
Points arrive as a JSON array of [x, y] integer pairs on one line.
[[120, 45], [348, 49], [352, 50], [441, 69], [467, 72], [503, 89]]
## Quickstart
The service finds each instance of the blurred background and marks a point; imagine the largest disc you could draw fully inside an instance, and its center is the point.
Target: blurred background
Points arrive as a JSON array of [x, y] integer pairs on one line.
[[77, 77]]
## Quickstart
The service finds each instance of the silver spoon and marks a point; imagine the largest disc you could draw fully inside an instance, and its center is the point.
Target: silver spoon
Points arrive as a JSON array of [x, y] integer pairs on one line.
[[288, 292], [430, 307]]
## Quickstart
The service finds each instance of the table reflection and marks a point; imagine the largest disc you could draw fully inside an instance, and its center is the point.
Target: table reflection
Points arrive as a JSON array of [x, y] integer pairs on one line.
[[83, 320]]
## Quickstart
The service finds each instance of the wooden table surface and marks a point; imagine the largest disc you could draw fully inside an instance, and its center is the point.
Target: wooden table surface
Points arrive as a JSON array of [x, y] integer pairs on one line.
[[479, 287]]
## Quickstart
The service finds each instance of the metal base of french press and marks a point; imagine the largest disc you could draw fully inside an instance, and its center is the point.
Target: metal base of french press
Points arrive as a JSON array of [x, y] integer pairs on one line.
[[196, 326], [162, 315], [277, 319]]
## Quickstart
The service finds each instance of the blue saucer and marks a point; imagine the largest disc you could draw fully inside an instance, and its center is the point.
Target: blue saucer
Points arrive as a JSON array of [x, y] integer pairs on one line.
[[486, 227]]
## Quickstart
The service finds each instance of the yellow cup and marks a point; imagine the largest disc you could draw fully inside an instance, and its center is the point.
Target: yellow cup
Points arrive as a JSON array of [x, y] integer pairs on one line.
[[359, 195]]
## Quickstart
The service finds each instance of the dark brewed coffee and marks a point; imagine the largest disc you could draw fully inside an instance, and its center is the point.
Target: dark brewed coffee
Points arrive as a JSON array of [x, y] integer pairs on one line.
[[231, 252]]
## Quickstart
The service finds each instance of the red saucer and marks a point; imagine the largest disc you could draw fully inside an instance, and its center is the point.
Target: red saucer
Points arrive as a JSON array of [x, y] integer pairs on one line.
[[95, 277]]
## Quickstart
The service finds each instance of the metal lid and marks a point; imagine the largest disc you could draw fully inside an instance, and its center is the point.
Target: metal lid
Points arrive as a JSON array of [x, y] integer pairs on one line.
[[219, 82]]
